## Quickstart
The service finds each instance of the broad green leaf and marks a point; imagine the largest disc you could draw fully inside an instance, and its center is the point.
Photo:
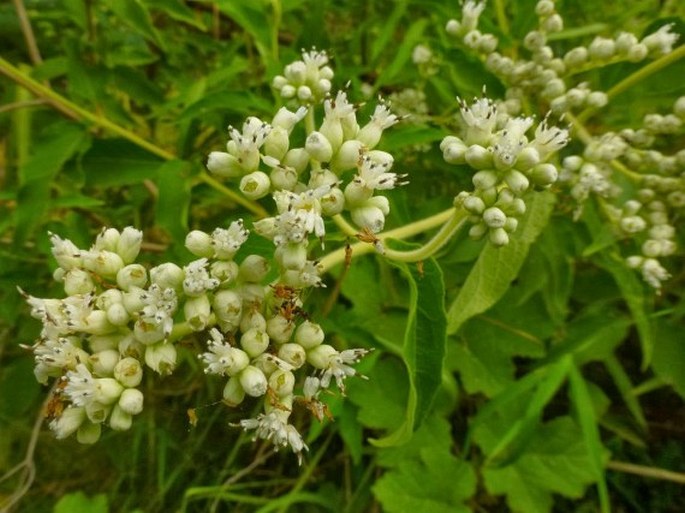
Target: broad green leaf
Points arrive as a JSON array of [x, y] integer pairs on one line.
[[633, 292], [625, 387], [435, 433], [61, 143], [18, 388], [80, 503], [496, 268], [582, 402], [174, 198], [411, 38], [521, 432], [115, 162], [137, 16], [424, 346], [669, 356], [438, 483], [555, 461]]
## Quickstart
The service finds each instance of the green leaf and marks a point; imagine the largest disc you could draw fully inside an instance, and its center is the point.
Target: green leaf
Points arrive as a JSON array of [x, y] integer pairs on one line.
[[439, 483], [633, 292], [555, 461], [424, 346], [36, 177], [115, 162], [387, 30], [496, 267], [254, 21], [411, 38], [173, 202], [178, 11], [18, 388], [136, 16], [669, 356], [80, 503]]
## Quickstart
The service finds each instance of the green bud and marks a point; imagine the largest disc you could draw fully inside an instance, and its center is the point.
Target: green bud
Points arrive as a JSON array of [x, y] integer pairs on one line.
[[132, 275], [131, 401], [309, 335], [129, 372], [119, 420]]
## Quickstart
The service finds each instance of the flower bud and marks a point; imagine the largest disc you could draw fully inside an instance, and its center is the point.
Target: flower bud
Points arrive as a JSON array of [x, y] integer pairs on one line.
[[107, 390], [99, 343], [254, 268], [78, 282], [224, 164], [576, 57], [309, 335], [485, 179], [254, 342], [282, 382], [130, 347], [161, 357], [279, 329], [473, 205], [68, 422], [283, 178], [499, 237], [103, 362], [148, 332], [333, 203], [128, 372], [117, 315], [97, 412], [478, 157], [291, 256], [554, 23], [200, 244], [297, 158], [104, 263], [233, 392], [304, 93], [319, 147], [347, 156], [96, 323], [369, 217], [197, 311], [544, 175], [288, 91], [107, 240], [517, 181], [167, 276], [294, 354], [356, 194], [252, 294], [131, 401], [88, 433], [638, 52], [321, 356], [224, 271], [455, 152], [494, 217], [253, 381], [255, 185], [228, 306], [128, 245], [477, 231], [119, 420], [252, 319], [132, 275], [276, 143], [511, 224]]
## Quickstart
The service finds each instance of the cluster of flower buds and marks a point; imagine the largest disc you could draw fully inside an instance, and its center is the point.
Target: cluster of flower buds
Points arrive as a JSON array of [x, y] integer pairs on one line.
[[307, 80], [307, 182], [119, 318], [550, 76], [648, 217], [508, 164]]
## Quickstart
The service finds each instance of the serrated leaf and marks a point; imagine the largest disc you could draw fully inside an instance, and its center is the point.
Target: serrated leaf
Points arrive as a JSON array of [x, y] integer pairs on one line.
[[496, 268], [80, 503], [556, 461], [424, 346], [436, 483]]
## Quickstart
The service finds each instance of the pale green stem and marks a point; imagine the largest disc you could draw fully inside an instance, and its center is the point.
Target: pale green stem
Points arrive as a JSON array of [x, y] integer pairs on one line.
[[344, 226], [638, 76], [74, 111], [432, 246], [653, 472], [576, 32], [361, 248]]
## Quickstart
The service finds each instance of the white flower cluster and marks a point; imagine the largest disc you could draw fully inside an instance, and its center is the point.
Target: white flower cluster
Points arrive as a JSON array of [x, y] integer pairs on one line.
[[308, 80], [547, 75], [507, 161], [118, 318], [307, 182]]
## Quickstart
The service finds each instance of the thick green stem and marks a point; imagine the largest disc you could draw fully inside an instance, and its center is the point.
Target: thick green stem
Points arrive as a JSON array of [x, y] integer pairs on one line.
[[361, 248]]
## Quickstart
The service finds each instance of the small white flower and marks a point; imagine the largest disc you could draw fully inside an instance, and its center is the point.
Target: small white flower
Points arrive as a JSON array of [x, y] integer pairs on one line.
[[274, 426], [373, 174], [160, 306], [227, 241], [549, 139], [222, 358], [338, 367], [65, 252], [197, 279], [480, 118], [81, 387]]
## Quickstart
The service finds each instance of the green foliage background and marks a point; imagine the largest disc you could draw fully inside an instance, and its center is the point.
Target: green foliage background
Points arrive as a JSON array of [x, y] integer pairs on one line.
[[547, 362]]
